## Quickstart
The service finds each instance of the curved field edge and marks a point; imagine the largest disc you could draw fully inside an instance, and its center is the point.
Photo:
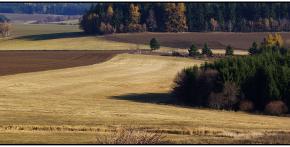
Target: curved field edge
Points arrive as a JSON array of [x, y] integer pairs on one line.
[[128, 90], [14, 62], [70, 37]]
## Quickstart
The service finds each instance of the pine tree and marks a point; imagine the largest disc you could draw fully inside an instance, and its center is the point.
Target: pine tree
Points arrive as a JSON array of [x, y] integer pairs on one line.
[[206, 50], [154, 44], [193, 51], [254, 49], [229, 51]]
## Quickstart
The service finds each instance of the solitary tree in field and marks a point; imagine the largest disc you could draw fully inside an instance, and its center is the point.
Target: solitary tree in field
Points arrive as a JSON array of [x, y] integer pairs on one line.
[[154, 45], [254, 49], [206, 50], [229, 51], [193, 50]]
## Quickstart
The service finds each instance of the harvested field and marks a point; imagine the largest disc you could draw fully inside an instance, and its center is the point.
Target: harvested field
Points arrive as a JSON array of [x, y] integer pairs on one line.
[[74, 105], [215, 40], [58, 37], [12, 62]]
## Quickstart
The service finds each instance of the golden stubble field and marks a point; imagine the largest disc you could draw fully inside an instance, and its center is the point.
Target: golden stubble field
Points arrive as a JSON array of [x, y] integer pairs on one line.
[[75, 105]]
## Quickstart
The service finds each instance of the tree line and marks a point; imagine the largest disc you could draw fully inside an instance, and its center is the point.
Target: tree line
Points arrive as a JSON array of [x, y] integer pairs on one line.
[[105, 18], [259, 82], [45, 8]]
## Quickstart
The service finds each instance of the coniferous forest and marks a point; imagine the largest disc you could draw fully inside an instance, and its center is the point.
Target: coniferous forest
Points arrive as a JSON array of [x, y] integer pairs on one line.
[[105, 18]]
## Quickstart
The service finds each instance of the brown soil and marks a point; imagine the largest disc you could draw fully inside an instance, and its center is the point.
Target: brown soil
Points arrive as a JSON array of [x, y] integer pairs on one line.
[[216, 40], [13, 62]]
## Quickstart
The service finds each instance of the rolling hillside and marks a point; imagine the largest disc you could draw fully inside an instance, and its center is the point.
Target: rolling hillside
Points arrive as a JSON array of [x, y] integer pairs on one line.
[[74, 105]]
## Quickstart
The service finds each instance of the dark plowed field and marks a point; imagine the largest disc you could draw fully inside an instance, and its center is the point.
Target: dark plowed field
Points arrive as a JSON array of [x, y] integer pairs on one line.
[[215, 40], [12, 62]]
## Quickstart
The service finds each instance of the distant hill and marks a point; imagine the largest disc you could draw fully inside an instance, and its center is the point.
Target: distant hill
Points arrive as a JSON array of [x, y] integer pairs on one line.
[[45, 8]]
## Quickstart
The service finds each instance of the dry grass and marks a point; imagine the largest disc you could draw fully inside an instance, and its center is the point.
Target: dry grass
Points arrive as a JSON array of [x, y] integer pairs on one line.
[[131, 136], [59, 37], [76, 104]]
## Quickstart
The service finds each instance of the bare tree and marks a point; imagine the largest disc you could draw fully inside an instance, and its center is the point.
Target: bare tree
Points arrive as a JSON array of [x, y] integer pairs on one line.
[[5, 29]]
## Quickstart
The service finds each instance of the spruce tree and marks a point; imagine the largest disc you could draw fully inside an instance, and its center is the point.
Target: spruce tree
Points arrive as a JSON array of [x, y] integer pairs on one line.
[[154, 44], [229, 51], [254, 49], [206, 50], [193, 51]]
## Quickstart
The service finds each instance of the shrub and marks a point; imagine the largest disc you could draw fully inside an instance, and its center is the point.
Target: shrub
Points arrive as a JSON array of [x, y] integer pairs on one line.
[[276, 108], [227, 99], [131, 136], [106, 29], [175, 53], [246, 105], [154, 44], [136, 28]]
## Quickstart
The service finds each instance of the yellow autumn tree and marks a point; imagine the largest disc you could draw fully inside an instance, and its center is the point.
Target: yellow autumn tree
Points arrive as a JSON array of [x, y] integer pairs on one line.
[[110, 11], [272, 40], [176, 19], [134, 14], [134, 25]]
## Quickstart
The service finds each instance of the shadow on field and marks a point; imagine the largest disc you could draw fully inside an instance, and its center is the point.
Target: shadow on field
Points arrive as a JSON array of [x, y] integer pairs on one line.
[[52, 36], [156, 98]]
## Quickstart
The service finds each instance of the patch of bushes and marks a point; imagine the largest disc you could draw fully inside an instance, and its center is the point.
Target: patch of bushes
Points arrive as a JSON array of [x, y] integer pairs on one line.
[[276, 108], [227, 99], [176, 53], [193, 86], [225, 83], [106, 29], [246, 105]]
